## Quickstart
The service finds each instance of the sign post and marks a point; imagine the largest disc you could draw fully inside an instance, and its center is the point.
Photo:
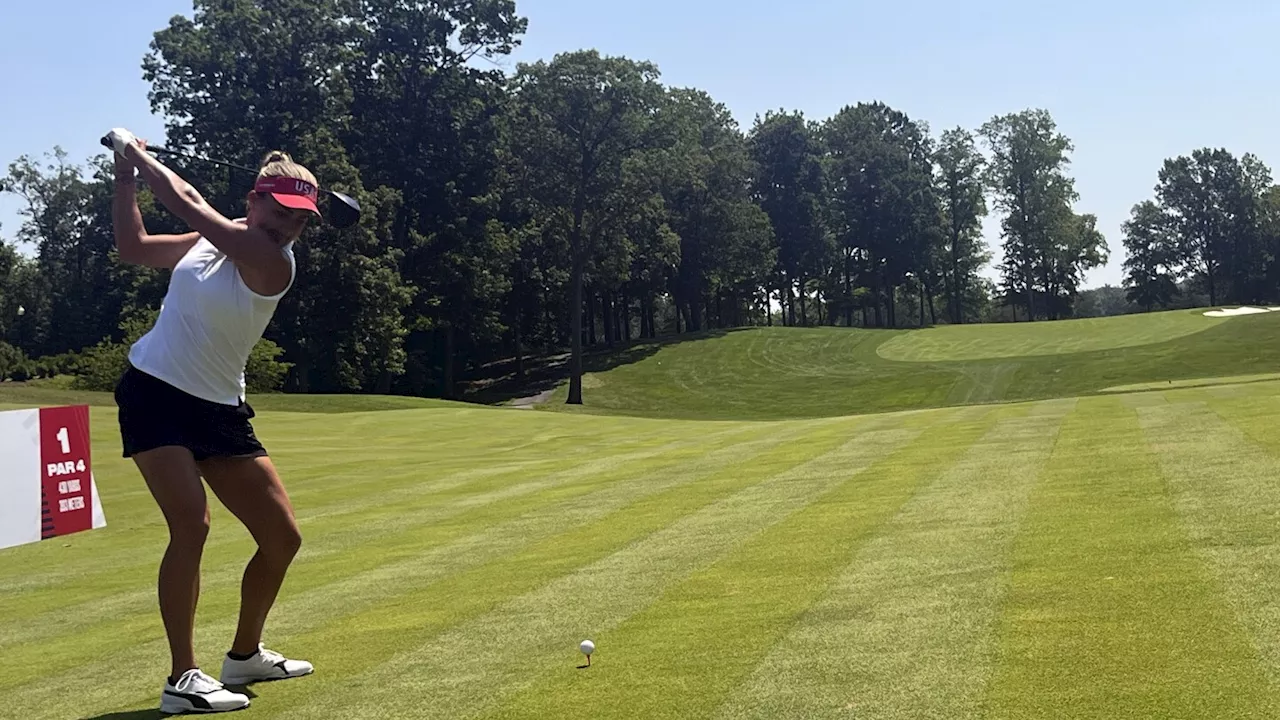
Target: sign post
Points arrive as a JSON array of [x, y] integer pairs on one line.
[[46, 475]]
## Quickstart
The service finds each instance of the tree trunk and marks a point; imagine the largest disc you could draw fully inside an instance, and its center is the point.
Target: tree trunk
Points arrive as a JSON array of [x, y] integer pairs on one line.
[[606, 316], [553, 330], [848, 295], [953, 292], [626, 317], [590, 310], [804, 315], [575, 307], [921, 304], [519, 349], [447, 392], [1213, 287]]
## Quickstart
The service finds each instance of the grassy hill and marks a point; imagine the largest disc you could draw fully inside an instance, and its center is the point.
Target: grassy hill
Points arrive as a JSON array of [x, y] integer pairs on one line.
[[771, 373]]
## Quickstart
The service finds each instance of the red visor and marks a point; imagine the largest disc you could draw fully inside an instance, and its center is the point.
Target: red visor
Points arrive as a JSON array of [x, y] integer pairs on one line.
[[291, 193]]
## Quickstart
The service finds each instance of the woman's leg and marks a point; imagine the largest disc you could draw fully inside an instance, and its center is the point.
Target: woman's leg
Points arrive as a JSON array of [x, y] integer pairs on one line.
[[251, 489], [174, 480]]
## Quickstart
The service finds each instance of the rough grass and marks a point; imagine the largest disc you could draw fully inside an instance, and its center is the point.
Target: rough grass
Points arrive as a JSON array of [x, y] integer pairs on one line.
[[1104, 557], [775, 373]]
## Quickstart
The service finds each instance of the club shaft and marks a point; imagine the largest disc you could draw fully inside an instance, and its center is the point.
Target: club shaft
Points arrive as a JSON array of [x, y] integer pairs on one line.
[[197, 158]]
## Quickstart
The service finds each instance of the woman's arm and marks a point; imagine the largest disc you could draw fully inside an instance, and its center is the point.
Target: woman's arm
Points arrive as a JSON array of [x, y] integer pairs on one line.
[[251, 249], [133, 243]]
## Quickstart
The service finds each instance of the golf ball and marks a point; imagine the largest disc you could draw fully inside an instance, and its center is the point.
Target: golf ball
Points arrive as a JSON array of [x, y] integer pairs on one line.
[[587, 647]]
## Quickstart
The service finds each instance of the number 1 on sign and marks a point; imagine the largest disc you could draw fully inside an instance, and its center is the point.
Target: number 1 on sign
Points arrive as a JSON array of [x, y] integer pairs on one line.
[[65, 439]]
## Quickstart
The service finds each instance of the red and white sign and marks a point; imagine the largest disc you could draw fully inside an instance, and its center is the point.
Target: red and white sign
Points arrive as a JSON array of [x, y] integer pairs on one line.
[[46, 475]]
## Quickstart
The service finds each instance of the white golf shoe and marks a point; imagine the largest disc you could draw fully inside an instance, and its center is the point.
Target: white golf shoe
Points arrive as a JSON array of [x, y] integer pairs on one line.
[[263, 665], [196, 692]]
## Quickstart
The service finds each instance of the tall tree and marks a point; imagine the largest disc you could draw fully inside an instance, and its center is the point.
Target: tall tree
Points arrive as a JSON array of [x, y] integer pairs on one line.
[[578, 119], [790, 187], [68, 221], [1151, 265], [883, 208], [1213, 202], [724, 236], [239, 79], [962, 194], [426, 122], [1028, 174], [1075, 246]]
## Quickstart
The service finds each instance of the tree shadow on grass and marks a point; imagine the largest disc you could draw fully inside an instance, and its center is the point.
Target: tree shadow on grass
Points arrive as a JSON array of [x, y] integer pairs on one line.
[[497, 382]]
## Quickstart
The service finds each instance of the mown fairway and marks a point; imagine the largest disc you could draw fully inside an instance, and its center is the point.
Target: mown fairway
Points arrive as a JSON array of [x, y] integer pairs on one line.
[[772, 373], [1094, 557]]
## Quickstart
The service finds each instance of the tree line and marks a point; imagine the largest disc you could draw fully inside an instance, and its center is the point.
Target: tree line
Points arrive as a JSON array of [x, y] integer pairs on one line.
[[579, 202]]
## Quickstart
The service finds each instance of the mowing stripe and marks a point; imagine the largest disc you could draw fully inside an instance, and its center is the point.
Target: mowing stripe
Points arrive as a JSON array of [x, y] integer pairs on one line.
[[682, 655], [337, 493], [1110, 614], [409, 607], [1254, 416], [906, 629], [1228, 501], [345, 480], [474, 664], [398, 533], [403, 557]]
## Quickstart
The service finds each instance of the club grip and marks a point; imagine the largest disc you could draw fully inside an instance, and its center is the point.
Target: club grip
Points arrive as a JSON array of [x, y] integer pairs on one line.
[[106, 142]]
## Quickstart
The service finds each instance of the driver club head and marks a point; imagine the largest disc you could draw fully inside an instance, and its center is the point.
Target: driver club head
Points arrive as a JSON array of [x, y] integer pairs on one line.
[[342, 210]]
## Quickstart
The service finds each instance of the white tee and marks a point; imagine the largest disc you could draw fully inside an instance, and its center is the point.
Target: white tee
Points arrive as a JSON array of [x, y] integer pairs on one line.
[[209, 323]]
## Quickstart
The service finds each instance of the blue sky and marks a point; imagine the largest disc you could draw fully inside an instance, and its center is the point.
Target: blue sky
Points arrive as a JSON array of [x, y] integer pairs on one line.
[[1131, 82]]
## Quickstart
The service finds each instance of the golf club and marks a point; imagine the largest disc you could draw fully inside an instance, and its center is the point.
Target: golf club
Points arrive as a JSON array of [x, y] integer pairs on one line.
[[342, 211]]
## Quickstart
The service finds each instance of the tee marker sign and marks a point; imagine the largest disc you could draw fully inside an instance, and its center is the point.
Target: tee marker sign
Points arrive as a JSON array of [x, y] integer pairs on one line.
[[46, 475]]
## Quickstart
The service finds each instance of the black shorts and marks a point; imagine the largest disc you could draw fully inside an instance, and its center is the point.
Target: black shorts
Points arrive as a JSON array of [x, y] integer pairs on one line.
[[153, 413]]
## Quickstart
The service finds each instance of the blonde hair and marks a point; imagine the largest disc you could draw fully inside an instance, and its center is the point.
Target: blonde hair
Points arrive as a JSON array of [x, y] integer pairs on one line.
[[277, 163]]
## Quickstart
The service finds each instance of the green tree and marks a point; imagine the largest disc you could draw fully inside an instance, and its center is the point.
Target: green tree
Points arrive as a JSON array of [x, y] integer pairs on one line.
[[577, 120], [1213, 202], [961, 192], [411, 81], [725, 238], [1028, 173], [1151, 266], [789, 185], [240, 79], [883, 208], [1076, 246], [67, 218]]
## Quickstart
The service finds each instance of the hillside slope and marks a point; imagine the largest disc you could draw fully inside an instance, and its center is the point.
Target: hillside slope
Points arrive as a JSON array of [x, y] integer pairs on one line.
[[776, 373]]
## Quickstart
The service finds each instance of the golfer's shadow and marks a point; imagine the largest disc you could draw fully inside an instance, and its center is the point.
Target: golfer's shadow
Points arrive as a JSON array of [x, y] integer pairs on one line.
[[155, 714]]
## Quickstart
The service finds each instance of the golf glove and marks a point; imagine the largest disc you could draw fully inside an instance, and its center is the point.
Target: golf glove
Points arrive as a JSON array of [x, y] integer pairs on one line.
[[120, 139]]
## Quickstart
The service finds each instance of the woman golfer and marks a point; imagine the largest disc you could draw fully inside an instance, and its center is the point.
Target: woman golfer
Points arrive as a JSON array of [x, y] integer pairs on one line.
[[182, 408]]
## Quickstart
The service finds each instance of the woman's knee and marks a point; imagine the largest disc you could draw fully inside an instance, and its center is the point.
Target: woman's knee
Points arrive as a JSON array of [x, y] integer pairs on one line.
[[282, 544], [189, 527]]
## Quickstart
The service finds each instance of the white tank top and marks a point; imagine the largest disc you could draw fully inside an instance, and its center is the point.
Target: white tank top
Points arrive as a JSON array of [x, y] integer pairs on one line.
[[209, 322]]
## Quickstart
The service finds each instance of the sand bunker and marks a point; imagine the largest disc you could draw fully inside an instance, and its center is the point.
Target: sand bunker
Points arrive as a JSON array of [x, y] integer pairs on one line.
[[1244, 310]]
